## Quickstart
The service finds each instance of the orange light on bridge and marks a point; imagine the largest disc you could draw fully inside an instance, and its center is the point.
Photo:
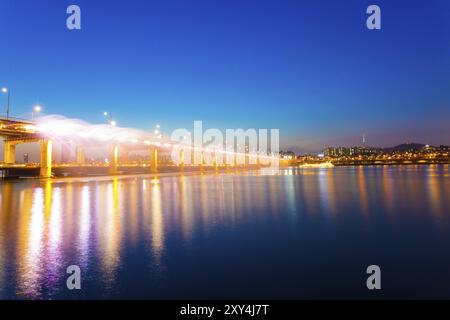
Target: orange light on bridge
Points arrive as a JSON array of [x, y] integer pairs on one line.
[[29, 127]]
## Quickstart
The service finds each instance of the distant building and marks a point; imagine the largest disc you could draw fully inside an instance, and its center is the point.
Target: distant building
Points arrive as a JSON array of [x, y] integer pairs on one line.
[[287, 155], [443, 148], [350, 151], [329, 152]]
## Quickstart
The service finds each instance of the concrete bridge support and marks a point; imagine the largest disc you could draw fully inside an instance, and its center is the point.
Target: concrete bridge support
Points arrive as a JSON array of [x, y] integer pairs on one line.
[[114, 160], [154, 159], [216, 162], [201, 162], [10, 152], [182, 160], [46, 158], [248, 159], [79, 155]]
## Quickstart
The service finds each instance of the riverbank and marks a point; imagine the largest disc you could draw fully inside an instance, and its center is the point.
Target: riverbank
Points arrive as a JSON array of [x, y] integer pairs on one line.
[[377, 162], [83, 173]]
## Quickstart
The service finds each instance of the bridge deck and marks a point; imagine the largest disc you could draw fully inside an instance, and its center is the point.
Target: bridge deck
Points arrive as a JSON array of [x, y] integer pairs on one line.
[[17, 128]]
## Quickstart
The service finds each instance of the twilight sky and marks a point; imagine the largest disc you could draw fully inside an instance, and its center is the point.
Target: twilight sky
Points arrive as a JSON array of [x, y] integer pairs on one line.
[[310, 68]]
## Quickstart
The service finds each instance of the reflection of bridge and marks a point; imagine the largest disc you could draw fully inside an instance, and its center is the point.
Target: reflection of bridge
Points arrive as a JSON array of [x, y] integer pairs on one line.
[[18, 131]]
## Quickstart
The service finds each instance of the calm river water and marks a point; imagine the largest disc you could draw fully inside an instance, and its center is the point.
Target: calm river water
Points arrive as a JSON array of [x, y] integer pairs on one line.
[[294, 233]]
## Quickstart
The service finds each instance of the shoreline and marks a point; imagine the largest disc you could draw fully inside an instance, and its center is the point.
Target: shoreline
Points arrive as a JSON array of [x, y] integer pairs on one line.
[[108, 177], [222, 170], [365, 164]]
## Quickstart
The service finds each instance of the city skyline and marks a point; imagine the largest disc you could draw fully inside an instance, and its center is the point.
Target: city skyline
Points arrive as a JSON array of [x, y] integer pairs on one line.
[[314, 71]]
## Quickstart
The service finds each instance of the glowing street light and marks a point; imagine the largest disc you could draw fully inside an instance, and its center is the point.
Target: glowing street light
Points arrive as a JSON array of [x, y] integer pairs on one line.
[[158, 132], [8, 93], [37, 108], [109, 119]]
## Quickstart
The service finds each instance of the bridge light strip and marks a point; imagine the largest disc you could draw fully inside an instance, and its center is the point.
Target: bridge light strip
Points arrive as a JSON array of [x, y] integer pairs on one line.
[[60, 127]]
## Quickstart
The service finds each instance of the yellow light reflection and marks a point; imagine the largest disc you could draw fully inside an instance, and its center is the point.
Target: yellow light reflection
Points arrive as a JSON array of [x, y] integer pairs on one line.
[[84, 225], [363, 196], [434, 193], [111, 234], [31, 247], [157, 223]]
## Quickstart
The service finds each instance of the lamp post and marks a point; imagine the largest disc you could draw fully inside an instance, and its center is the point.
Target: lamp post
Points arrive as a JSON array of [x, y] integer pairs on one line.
[[37, 108], [158, 132], [109, 119], [8, 92]]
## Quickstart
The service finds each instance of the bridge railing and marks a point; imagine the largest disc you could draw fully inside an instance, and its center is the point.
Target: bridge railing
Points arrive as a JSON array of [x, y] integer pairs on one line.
[[13, 119]]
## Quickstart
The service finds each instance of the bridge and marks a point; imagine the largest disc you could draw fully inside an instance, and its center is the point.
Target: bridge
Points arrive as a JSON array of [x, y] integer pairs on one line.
[[16, 131]]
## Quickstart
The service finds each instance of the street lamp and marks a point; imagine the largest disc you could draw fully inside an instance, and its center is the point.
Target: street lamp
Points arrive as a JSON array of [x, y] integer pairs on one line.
[[8, 92], [37, 108], [158, 132], [109, 118]]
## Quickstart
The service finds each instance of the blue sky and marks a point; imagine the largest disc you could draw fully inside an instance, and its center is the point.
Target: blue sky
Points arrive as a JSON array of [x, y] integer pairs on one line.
[[310, 68]]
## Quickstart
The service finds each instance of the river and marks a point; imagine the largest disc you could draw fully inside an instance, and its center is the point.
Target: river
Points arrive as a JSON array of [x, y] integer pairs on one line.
[[288, 234]]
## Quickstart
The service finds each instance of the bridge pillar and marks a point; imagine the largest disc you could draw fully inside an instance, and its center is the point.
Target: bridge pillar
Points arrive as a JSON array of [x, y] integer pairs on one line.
[[201, 161], [114, 160], [246, 159], [182, 160], [79, 155], [46, 158], [216, 163], [10, 152], [154, 159]]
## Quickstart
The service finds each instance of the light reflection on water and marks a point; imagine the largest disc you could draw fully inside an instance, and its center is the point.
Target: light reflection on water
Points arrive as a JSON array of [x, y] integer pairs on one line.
[[195, 236]]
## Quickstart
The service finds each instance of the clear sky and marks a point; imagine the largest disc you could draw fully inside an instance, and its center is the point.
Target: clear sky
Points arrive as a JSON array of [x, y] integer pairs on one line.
[[310, 68]]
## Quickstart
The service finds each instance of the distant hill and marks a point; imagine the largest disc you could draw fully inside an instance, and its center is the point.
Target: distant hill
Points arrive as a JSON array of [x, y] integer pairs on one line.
[[406, 147]]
